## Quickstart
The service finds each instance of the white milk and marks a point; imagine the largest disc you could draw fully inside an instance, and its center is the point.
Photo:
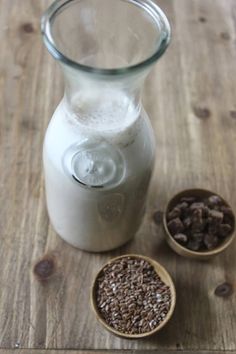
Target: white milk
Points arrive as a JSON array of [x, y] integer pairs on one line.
[[98, 159]]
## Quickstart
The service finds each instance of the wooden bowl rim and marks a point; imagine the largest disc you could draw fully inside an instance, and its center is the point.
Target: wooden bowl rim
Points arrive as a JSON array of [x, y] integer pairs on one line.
[[170, 283], [185, 250]]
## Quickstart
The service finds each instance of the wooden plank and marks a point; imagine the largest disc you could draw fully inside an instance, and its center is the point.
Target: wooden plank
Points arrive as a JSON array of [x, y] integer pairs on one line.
[[48, 351], [190, 97]]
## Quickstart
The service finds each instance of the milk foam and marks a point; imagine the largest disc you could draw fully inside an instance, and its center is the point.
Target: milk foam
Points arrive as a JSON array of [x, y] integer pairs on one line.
[[104, 110]]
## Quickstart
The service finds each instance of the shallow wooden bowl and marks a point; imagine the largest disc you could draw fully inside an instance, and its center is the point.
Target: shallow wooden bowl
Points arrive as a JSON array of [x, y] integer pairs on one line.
[[183, 251], [165, 277]]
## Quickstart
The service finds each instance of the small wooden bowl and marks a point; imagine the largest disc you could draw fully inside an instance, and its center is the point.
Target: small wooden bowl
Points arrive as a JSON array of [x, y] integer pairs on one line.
[[183, 251], [165, 277]]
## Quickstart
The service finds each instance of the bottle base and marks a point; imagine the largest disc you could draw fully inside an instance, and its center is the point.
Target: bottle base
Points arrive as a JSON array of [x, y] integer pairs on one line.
[[95, 250]]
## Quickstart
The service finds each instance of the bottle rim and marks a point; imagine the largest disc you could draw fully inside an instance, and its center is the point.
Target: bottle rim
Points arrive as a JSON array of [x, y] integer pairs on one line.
[[147, 5]]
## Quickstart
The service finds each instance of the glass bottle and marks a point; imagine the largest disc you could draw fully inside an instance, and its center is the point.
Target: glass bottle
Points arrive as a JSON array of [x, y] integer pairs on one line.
[[99, 146]]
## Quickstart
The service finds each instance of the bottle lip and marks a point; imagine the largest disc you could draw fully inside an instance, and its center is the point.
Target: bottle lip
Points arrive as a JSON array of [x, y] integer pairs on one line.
[[147, 5]]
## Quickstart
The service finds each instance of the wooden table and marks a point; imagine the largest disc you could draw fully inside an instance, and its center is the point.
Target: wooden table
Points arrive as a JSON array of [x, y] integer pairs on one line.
[[191, 99]]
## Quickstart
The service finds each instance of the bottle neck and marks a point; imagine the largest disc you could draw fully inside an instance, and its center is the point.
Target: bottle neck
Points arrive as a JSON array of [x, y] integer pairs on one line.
[[87, 93]]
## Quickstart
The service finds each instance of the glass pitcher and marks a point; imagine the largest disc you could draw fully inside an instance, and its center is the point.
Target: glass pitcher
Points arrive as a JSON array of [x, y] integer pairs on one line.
[[99, 146]]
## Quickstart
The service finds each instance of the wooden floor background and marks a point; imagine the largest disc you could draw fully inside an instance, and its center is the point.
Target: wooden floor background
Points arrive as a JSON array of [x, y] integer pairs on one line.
[[191, 99]]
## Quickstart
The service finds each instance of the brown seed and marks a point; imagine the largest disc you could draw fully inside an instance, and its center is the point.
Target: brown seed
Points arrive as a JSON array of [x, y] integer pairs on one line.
[[136, 302]]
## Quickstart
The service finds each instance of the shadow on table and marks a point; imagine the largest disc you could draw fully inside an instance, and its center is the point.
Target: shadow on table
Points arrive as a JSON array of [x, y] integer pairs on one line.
[[192, 323]]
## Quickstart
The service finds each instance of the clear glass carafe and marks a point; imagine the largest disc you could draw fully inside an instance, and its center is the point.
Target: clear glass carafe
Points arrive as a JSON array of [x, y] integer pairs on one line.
[[99, 146]]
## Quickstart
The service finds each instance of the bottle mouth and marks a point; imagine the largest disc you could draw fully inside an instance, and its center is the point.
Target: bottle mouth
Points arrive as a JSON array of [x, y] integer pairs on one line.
[[159, 38]]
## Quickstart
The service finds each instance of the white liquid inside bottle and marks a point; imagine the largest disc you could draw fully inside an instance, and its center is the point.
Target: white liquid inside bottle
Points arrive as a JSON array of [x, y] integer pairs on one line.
[[98, 159]]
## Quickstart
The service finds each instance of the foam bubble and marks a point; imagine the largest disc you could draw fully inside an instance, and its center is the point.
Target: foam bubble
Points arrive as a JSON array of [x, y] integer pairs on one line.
[[104, 110]]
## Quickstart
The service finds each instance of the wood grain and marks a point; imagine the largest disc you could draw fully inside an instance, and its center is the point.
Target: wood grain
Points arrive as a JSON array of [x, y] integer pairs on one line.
[[48, 351], [191, 99]]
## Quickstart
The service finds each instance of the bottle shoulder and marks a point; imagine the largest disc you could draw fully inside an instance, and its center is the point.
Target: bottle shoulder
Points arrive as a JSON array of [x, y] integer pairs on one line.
[[65, 131]]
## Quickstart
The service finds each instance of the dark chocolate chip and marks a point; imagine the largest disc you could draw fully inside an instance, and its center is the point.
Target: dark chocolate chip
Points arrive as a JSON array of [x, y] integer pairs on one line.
[[205, 222], [174, 213], [214, 200], [228, 216], [198, 224], [194, 245], [181, 238], [199, 236], [210, 241], [205, 212], [182, 205], [228, 220], [216, 215], [187, 222], [175, 226], [227, 211], [198, 205], [224, 230], [215, 218], [213, 229]]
